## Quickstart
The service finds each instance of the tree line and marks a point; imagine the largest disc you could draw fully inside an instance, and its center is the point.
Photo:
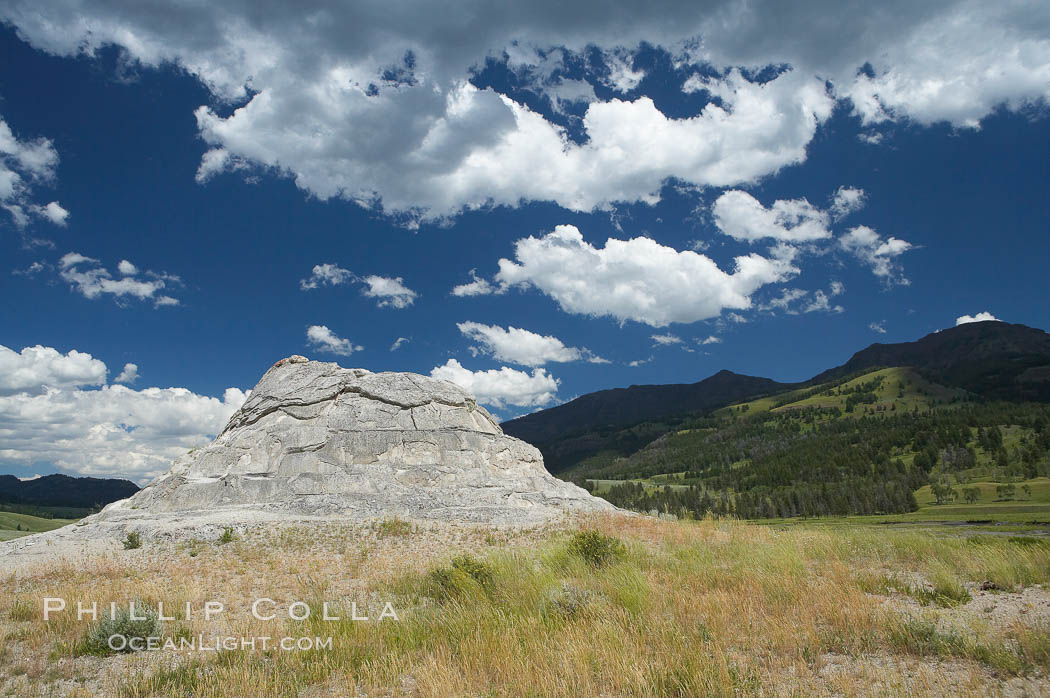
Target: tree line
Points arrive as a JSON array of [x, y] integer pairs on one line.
[[818, 461]]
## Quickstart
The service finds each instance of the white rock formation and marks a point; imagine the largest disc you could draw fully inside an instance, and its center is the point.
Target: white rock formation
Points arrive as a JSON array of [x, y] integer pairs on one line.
[[316, 439]]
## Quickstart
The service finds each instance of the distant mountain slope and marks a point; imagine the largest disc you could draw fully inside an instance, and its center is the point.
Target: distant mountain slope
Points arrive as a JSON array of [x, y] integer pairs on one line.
[[901, 388], [992, 359], [995, 360], [638, 403], [64, 491], [625, 419], [861, 447]]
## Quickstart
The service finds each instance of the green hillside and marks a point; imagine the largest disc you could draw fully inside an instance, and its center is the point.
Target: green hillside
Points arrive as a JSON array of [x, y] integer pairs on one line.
[[899, 388], [974, 361], [881, 391], [14, 525], [883, 442]]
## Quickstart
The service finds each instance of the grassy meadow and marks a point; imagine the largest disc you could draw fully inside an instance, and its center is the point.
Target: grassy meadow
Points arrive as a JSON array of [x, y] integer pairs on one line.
[[635, 606], [13, 525], [1025, 513]]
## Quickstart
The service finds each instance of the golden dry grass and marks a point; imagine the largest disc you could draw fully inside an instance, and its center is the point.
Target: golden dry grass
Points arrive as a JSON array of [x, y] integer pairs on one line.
[[691, 608]]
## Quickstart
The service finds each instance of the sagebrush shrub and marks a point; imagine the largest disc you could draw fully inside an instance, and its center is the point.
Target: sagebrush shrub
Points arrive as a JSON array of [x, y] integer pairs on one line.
[[446, 582], [570, 600], [442, 583], [480, 571], [145, 625], [596, 548]]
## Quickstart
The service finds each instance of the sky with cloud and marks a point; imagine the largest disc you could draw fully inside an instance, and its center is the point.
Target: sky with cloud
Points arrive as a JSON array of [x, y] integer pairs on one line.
[[534, 201]]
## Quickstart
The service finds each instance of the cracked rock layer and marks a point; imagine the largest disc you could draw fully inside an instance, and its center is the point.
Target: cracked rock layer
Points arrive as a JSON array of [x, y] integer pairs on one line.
[[317, 439]]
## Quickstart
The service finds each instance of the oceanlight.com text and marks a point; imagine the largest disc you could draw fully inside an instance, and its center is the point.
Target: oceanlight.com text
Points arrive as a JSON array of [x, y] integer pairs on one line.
[[228, 643]]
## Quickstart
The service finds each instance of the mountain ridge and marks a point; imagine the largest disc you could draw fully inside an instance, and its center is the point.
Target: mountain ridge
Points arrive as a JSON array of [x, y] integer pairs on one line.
[[58, 490], [991, 359], [987, 358], [636, 403]]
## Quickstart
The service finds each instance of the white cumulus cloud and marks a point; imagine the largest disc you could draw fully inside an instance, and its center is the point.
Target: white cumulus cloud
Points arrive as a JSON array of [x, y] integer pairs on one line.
[[741, 216], [54, 213], [24, 166], [113, 431], [477, 287], [503, 386], [519, 346], [795, 301], [323, 339], [48, 416], [129, 374], [821, 302], [637, 279], [376, 106], [880, 254], [37, 369], [32, 270], [785, 301], [847, 200], [326, 275], [88, 277], [666, 339], [984, 316], [474, 148], [622, 74], [391, 292]]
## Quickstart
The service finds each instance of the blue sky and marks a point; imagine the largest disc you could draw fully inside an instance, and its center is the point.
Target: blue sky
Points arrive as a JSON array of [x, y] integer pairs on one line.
[[878, 193]]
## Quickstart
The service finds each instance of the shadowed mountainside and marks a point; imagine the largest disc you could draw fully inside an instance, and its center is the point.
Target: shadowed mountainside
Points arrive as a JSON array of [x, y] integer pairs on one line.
[[992, 359], [623, 406], [64, 491]]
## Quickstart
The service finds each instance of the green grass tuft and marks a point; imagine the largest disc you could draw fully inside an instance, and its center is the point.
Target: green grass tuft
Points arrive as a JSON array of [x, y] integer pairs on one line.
[[923, 638], [1033, 644], [393, 528], [23, 610]]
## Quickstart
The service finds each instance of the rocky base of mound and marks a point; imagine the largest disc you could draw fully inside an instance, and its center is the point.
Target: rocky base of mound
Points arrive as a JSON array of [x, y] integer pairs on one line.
[[94, 536]]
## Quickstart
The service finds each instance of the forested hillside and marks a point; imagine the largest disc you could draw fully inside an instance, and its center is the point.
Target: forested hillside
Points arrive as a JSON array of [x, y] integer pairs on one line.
[[82, 494], [860, 446], [975, 361]]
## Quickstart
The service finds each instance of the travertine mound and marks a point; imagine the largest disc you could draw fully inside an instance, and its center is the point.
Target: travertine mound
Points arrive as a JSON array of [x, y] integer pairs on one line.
[[320, 440]]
